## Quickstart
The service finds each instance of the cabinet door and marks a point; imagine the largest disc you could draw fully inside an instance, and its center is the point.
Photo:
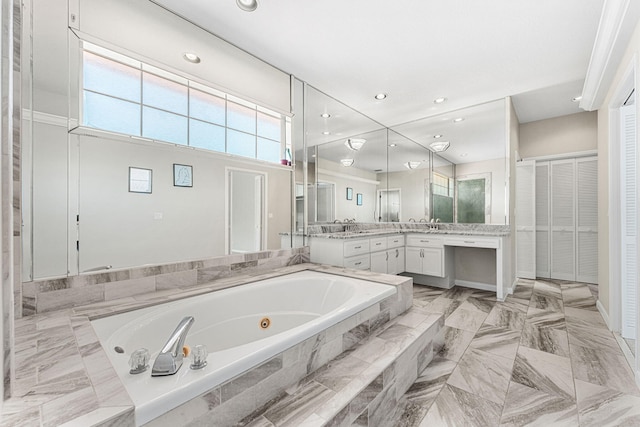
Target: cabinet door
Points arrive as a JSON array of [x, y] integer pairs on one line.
[[587, 220], [398, 255], [563, 219], [413, 260], [432, 264], [379, 262]]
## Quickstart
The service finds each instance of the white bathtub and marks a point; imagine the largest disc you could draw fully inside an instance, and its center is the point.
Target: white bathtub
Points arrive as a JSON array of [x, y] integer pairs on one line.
[[299, 306]]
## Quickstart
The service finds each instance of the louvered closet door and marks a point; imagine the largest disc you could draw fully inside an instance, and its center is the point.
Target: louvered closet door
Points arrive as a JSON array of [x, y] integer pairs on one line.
[[526, 219], [563, 219], [587, 220], [629, 223], [543, 204]]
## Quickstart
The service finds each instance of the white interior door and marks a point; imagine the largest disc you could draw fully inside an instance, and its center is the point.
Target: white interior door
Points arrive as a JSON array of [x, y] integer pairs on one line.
[[543, 205], [246, 211], [526, 219], [563, 219], [587, 220], [629, 225]]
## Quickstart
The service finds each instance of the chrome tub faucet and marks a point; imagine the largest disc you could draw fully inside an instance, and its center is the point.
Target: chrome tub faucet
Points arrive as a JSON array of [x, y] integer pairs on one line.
[[170, 358]]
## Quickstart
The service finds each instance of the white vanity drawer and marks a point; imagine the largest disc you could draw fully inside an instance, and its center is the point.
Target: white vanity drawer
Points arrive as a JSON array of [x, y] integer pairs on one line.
[[424, 241], [378, 244], [473, 242], [356, 247], [395, 241], [358, 262]]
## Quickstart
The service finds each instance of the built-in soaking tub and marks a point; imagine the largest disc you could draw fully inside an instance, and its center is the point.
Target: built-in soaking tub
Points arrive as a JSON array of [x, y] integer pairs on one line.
[[230, 323]]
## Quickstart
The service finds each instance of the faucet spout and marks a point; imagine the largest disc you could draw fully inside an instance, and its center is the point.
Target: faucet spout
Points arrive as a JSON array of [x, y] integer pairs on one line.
[[170, 358]]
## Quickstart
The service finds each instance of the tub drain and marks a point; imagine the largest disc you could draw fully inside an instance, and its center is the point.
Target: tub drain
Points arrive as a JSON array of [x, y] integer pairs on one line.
[[265, 323]]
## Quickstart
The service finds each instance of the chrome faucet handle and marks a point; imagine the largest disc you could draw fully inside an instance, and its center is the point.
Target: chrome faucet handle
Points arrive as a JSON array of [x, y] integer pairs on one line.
[[199, 357], [139, 361], [170, 358]]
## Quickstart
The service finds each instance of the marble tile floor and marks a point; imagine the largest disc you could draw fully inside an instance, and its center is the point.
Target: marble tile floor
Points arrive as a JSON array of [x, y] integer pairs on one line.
[[543, 357]]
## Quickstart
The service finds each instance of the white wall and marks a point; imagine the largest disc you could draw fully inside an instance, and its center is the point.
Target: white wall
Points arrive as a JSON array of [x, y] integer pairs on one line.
[[171, 224], [603, 132], [496, 167], [414, 187], [560, 135], [360, 181]]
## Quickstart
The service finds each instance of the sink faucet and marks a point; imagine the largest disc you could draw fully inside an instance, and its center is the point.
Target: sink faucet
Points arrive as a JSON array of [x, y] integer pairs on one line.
[[412, 220], [170, 358]]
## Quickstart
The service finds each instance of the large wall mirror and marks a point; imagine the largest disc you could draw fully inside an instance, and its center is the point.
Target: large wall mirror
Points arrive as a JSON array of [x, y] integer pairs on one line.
[[81, 213], [469, 183]]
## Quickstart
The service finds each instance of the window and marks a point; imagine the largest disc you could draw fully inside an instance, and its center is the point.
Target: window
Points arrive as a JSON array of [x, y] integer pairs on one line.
[[126, 96]]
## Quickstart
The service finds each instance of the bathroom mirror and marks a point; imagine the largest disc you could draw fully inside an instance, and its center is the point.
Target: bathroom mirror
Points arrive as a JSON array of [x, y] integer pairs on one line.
[[477, 149], [345, 149], [403, 194], [78, 215]]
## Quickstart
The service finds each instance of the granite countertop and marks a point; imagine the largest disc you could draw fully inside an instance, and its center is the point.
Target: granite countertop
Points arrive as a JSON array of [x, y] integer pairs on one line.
[[373, 233]]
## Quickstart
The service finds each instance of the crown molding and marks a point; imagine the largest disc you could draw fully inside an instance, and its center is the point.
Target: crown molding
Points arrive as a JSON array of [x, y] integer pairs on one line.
[[617, 23]]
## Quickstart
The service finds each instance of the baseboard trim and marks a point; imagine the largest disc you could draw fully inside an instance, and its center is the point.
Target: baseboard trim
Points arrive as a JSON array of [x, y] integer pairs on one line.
[[603, 313], [476, 285]]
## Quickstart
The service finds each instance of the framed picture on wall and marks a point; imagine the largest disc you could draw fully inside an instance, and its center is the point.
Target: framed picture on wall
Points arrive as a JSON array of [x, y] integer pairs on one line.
[[349, 193], [359, 199], [139, 180], [182, 175]]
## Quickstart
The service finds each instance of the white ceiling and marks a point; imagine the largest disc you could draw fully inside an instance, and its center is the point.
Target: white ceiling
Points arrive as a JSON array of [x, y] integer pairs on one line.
[[470, 52]]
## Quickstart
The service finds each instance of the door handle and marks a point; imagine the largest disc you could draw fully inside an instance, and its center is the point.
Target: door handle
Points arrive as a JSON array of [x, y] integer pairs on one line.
[[397, 253]]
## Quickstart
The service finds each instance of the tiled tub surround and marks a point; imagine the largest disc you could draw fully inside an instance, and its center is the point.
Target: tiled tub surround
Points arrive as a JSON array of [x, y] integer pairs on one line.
[[63, 374], [298, 305], [363, 385], [59, 293]]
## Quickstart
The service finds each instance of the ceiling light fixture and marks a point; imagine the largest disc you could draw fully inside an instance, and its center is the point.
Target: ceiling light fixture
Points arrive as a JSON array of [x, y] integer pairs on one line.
[[191, 57], [577, 98], [247, 5], [439, 100], [412, 165], [439, 146], [380, 96], [326, 132], [458, 120], [325, 115], [346, 162], [355, 143]]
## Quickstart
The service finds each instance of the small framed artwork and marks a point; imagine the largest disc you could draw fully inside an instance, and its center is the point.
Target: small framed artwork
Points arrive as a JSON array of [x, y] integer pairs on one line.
[[349, 193], [182, 175], [359, 199], [139, 180]]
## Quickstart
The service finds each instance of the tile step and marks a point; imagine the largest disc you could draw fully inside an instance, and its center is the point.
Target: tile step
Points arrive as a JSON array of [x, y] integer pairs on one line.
[[364, 383]]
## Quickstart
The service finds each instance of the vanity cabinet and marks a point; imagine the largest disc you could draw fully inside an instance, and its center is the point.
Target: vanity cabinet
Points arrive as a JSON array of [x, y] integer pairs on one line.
[[390, 260], [425, 255], [349, 253]]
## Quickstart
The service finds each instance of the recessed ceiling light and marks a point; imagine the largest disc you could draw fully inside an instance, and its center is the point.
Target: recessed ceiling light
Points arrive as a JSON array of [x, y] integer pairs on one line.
[[392, 145], [458, 119], [325, 115], [247, 5], [326, 132], [191, 57], [412, 165], [577, 98], [464, 154], [439, 100], [380, 96], [346, 162], [355, 143], [437, 136], [439, 146]]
